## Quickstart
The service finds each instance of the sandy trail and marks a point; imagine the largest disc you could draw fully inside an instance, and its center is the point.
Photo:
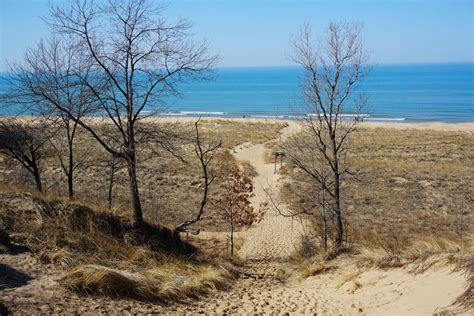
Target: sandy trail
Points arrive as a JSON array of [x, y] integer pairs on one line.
[[275, 237]]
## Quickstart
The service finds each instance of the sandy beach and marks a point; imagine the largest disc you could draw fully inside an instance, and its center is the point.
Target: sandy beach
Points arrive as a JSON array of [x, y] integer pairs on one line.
[[437, 126]]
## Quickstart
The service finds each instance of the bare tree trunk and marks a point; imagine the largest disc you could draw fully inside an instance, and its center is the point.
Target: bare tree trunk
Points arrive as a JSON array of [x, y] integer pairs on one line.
[[132, 169], [337, 194], [37, 175], [232, 238], [70, 172], [70, 185], [68, 166], [325, 233], [337, 211], [324, 219], [111, 182], [136, 204]]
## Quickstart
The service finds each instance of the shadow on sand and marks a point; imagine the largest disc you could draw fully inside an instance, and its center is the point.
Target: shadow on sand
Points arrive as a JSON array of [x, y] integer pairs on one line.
[[11, 278]]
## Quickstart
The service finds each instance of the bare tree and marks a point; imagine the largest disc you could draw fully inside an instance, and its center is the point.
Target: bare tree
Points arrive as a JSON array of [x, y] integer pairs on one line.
[[47, 81], [205, 154], [136, 57], [331, 73], [115, 165], [25, 143], [68, 164]]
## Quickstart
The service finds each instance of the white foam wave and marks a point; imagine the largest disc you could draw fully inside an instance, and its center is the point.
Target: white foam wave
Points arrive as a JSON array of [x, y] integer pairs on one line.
[[342, 115], [171, 114], [276, 116], [201, 113], [386, 119]]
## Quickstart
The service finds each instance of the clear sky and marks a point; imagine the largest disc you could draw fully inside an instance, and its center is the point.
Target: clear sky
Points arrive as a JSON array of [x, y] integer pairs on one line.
[[257, 32]]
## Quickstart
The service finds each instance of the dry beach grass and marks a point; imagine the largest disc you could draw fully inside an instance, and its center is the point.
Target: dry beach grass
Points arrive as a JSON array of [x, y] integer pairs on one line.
[[410, 184]]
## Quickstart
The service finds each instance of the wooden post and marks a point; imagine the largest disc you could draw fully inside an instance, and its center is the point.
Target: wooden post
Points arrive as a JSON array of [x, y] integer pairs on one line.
[[278, 154], [275, 169]]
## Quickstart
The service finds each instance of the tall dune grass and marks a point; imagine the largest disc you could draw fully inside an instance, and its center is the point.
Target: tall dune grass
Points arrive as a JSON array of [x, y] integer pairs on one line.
[[104, 254]]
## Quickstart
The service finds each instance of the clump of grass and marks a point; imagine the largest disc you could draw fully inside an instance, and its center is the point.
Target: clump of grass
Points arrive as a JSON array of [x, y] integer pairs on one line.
[[100, 279], [350, 277], [300, 267], [428, 245], [60, 257], [444, 250], [163, 283], [418, 256]]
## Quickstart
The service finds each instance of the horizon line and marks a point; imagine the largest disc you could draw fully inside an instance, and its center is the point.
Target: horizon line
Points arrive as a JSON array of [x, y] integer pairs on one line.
[[383, 64], [376, 64]]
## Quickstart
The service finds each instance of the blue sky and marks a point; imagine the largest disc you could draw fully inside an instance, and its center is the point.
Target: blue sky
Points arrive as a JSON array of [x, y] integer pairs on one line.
[[257, 32]]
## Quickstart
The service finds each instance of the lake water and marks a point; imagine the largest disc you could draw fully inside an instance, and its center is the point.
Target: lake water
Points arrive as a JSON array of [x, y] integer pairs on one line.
[[415, 92]]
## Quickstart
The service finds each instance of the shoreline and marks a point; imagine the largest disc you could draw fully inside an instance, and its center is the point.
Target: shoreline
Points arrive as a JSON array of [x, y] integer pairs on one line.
[[425, 125], [432, 125]]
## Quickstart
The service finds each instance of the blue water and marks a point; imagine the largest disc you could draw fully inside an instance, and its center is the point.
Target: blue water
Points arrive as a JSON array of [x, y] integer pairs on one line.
[[415, 92]]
